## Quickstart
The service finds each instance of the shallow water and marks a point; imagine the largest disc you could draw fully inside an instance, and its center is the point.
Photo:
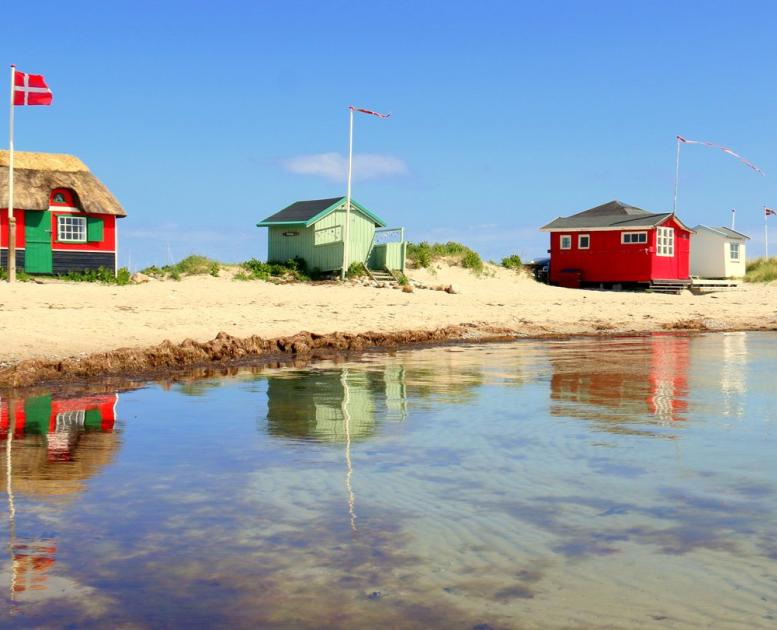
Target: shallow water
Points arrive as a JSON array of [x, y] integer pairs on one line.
[[583, 483]]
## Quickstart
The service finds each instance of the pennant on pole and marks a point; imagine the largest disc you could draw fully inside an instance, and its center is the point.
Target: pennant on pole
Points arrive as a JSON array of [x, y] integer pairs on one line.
[[724, 149], [31, 89], [367, 111], [769, 212]]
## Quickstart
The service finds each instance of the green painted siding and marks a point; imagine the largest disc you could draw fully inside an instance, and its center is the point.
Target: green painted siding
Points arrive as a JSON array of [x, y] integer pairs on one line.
[[388, 256], [328, 254]]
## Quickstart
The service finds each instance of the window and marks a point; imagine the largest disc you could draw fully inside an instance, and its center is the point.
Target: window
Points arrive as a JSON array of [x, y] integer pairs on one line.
[[325, 236], [61, 197], [71, 229], [583, 241], [733, 252], [633, 237], [665, 241], [566, 241]]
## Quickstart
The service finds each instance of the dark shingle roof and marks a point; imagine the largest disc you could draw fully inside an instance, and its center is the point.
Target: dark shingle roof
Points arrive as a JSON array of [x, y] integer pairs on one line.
[[302, 211], [614, 214]]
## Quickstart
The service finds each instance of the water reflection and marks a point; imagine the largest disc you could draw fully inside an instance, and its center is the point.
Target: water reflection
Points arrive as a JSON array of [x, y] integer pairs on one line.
[[629, 380], [485, 486], [51, 447]]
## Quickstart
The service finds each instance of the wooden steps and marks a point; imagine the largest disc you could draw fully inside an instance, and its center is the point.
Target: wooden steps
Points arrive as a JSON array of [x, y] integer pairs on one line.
[[668, 286], [382, 275]]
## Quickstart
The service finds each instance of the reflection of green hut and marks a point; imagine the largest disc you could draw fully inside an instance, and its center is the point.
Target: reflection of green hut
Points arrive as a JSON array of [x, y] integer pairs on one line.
[[316, 405]]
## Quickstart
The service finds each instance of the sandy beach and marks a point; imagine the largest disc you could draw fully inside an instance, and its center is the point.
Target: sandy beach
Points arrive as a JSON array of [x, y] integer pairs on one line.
[[55, 319]]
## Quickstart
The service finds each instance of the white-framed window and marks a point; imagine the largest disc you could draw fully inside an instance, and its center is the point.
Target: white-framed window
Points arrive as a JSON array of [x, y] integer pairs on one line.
[[566, 241], [665, 241], [629, 238], [325, 236], [71, 229], [733, 251], [583, 241]]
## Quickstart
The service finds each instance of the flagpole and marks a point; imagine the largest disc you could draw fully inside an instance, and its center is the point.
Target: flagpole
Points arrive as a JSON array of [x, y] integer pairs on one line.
[[766, 234], [733, 217], [676, 174], [11, 218], [348, 195]]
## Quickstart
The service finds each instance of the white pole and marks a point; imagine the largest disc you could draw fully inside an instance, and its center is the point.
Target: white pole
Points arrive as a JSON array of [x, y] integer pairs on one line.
[[348, 195], [733, 217], [11, 220], [676, 175], [766, 234]]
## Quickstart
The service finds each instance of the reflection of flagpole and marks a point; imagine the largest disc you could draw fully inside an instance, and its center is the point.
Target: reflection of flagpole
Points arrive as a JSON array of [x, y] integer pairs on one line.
[[349, 466], [9, 491]]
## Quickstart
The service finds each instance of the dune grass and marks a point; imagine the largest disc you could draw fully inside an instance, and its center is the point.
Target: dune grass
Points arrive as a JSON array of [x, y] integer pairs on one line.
[[194, 265], [423, 254], [761, 270]]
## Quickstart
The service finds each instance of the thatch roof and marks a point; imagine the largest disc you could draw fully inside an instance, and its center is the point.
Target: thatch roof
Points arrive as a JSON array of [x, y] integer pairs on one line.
[[37, 174]]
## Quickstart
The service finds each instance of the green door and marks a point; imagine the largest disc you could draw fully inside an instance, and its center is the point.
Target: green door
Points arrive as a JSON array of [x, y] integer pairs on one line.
[[37, 236]]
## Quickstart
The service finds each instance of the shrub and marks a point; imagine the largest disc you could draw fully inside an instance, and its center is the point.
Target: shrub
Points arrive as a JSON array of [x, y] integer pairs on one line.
[[356, 270], [512, 262], [424, 253], [101, 274], [194, 265], [761, 270], [471, 260], [254, 269]]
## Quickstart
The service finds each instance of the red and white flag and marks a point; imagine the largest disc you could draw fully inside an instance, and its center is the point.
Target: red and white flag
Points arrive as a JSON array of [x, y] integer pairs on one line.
[[769, 211], [31, 89], [724, 149], [367, 111]]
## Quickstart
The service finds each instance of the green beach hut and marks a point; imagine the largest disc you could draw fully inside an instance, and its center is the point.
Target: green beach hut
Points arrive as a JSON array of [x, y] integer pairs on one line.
[[314, 230]]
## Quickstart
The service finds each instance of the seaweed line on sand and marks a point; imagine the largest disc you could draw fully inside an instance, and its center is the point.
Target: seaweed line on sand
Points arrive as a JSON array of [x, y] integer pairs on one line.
[[227, 349]]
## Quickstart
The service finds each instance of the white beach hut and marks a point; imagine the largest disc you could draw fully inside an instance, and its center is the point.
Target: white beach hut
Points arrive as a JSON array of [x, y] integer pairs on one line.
[[717, 252]]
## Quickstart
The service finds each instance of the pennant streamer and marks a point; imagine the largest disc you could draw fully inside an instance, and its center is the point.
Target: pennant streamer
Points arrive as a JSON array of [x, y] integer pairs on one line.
[[725, 150]]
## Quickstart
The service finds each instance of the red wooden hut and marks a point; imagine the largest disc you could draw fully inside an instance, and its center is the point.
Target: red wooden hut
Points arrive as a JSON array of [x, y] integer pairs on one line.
[[65, 217], [619, 245]]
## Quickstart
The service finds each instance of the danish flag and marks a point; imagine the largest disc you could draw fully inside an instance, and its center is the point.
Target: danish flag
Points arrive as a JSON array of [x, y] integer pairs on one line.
[[769, 212], [30, 89]]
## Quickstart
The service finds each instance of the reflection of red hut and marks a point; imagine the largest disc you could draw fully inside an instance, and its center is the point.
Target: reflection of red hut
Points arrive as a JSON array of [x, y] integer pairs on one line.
[[31, 564], [669, 376], [628, 380], [59, 421]]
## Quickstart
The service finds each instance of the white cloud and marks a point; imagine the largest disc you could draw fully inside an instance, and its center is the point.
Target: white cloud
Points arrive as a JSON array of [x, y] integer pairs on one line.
[[334, 166]]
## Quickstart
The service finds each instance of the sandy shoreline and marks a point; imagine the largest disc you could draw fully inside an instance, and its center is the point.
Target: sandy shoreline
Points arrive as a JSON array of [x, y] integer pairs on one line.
[[46, 323]]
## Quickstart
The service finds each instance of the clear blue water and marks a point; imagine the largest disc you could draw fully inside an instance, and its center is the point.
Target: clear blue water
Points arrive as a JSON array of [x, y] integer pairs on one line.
[[559, 484]]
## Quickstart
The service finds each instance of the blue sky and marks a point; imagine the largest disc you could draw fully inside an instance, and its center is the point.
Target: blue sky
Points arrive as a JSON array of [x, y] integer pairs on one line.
[[205, 117]]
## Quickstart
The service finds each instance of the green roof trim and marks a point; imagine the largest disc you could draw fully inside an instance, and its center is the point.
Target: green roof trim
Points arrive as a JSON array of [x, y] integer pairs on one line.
[[338, 202]]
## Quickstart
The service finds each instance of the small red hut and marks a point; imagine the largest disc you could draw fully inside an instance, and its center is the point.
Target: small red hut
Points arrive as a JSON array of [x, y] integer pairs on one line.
[[617, 244], [65, 217]]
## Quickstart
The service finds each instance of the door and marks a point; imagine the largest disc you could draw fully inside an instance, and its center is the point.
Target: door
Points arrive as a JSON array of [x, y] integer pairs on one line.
[[37, 236]]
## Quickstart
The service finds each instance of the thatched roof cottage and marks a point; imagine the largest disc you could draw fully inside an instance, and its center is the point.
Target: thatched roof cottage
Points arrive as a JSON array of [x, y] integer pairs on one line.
[[65, 216]]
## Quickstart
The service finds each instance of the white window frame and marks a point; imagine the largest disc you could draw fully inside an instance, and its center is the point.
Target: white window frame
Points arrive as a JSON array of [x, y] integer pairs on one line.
[[665, 242], [565, 238], [580, 238], [733, 247], [328, 236], [640, 240], [65, 231]]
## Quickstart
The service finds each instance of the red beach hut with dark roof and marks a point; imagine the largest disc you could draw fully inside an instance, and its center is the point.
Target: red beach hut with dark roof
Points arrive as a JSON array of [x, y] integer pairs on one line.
[[616, 244]]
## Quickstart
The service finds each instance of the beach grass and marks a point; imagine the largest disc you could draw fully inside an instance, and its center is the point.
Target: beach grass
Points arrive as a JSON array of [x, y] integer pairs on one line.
[[761, 270], [194, 265], [423, 254]]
